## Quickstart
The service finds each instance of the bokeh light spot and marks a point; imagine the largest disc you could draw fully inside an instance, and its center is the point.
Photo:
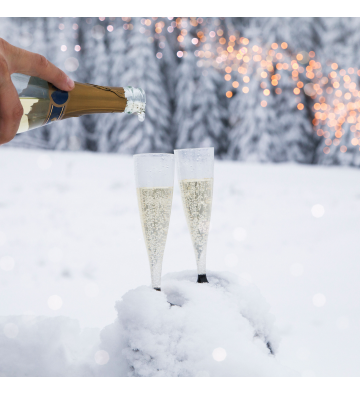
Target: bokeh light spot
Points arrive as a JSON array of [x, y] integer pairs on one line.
[[317, 210], [55, 302], [102, 357], [98, 32], [319, 300], [219, 354], [71, 64]]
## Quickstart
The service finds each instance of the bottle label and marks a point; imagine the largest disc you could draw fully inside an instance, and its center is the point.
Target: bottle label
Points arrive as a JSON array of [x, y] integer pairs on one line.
[[58, 101]]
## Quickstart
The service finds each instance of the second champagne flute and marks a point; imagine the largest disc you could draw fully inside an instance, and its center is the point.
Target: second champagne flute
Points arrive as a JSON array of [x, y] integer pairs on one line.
[[154, 175], [195, 169]]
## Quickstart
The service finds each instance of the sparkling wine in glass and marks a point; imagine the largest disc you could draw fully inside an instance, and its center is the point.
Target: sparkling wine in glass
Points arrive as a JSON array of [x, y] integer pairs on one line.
[[154, 175], [195, 169]]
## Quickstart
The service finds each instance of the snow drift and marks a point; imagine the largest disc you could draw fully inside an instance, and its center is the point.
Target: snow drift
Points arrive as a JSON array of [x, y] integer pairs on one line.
[[218, 329], [44, 346]]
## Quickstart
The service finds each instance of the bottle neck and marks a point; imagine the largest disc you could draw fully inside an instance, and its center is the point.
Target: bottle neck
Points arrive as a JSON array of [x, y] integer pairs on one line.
[[93, 99]]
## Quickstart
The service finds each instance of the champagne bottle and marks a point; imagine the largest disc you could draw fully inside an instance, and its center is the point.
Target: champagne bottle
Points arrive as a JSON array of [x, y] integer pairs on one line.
[[43, 103]]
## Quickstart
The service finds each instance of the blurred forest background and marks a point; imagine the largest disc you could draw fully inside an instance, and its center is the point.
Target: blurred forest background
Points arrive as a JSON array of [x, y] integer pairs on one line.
[[257, 89]]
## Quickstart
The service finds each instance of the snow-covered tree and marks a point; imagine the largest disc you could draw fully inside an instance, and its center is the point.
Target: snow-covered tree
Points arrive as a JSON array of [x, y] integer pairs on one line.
[[101, 76], [210, 114], [142, 70], [9, 30], [251, 125], [293, 126], [186, 102], [185, 96], [65, 134], [293, 123], [341, 46], [92, 34], [279, 131], [109, 125], [166, 49]]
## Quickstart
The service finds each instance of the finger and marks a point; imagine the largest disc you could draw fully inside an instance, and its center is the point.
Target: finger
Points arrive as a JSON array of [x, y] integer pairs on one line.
[[22, 61], [11, 109]]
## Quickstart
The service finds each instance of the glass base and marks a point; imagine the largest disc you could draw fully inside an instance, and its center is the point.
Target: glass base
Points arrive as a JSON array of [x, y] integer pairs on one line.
[[202, 278]]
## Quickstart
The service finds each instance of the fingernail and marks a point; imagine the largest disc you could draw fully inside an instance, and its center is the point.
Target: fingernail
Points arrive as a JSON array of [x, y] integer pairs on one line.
[[70, 83]]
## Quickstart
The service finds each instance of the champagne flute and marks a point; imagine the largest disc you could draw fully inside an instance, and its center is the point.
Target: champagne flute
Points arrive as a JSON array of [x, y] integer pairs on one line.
[[154, 175], [195, 169]]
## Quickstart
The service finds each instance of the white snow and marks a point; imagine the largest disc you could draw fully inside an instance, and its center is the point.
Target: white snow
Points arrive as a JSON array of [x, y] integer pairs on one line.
[[216, 329], [71, 245], [45, 346]]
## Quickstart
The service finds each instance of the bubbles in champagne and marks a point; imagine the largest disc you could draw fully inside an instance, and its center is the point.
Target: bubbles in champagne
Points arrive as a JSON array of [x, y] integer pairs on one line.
[[197, 200], [155, 210]]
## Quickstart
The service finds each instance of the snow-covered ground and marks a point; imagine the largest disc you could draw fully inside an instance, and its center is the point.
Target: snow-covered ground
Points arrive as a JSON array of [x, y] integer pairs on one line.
[[71, 245]]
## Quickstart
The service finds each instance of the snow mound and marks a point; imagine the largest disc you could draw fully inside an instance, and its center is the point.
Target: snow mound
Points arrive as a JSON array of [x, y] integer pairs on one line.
[[223, 328]]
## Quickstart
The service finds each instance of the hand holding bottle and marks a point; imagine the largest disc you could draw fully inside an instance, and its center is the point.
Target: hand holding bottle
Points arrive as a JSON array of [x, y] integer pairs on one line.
[[16, 60]]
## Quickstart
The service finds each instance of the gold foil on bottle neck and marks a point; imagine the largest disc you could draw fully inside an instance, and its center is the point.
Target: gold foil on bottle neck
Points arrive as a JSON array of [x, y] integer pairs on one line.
[[94, 99]]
